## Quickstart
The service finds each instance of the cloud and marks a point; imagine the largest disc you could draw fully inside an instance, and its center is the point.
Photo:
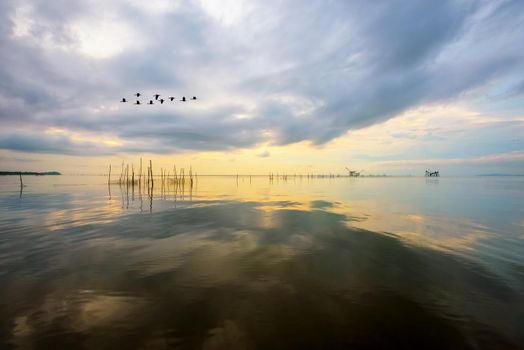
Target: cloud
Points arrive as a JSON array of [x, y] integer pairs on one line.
[[265, 72], [511, 162], [264, 154], [54, 144]]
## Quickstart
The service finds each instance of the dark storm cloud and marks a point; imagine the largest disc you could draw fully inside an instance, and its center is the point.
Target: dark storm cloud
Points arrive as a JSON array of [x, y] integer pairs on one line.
[[278, 73]]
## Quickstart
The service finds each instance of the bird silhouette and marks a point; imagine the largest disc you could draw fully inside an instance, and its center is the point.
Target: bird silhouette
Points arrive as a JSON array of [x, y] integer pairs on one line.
[[171, 98], [183, 99], [194, 98], [150, 102], [123, 100], [137, 94], [161, 101], [137, 102], [156, 96]]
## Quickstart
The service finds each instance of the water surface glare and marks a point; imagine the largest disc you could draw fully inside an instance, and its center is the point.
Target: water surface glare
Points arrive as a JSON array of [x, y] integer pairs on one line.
[[245, 263]]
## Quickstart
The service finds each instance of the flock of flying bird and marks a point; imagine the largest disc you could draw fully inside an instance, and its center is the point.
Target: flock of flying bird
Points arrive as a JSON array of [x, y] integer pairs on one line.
[[156, 96]]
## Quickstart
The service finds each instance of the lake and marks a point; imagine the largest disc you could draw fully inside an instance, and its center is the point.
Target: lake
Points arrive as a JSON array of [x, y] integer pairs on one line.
[[248, 263]]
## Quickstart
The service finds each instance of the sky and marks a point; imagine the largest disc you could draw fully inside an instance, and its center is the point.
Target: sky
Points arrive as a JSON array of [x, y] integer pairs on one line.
[[388, 87]]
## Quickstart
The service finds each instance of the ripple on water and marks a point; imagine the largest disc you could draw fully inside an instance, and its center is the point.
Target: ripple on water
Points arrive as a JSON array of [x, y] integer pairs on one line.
[[80, 269]]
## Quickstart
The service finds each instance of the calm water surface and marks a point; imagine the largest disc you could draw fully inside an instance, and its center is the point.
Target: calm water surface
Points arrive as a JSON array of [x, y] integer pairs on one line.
[[249, 264]]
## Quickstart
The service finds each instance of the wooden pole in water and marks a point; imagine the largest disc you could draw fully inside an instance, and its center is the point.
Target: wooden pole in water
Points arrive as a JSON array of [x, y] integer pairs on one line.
[[140, 173], [21, 182], [121, 173], [151, 170], [109, 178]]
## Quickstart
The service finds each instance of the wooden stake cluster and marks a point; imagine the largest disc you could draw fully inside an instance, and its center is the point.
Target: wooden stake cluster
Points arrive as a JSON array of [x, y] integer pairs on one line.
[[286, 177], [129, 179]]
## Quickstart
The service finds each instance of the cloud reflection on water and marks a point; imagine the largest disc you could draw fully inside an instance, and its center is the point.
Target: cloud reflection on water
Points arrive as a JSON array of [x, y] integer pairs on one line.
[[216, 274]]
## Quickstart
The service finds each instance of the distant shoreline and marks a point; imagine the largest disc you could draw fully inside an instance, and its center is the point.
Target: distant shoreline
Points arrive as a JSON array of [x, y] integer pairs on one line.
[[36, 173]]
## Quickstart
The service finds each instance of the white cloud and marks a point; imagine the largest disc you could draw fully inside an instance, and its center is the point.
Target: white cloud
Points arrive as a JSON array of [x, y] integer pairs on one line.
[[23, 21], [155, 7], [94, 36], [227, 12], [105, 36]]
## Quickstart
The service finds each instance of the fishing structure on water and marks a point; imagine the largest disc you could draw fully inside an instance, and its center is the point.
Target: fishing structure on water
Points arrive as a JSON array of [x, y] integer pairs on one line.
[[432, 173], [353, 173]]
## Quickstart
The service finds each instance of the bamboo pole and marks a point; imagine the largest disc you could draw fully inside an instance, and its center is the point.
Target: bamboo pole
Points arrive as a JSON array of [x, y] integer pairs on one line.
[[151, 170], [121, 173], [140, 173], [21, 185], [109, 178]]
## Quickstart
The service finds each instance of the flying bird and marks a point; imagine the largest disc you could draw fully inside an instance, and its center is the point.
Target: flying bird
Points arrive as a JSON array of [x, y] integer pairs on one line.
[[183, 99], [137, 94], [150, 102], [171, 98], [194, 98], [123, 100], [161, 101], [137, 102], [156, 96]]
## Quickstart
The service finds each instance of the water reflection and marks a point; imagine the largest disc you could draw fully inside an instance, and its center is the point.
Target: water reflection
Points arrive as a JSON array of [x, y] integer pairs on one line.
[[254, 266], [432, 181], [172, 189]]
